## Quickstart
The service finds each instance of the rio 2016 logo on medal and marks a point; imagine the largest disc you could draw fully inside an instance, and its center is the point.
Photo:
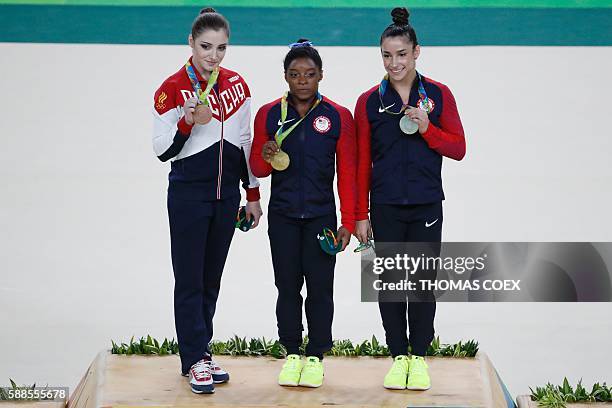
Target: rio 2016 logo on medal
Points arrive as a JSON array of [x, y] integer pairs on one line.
[[322, 124]]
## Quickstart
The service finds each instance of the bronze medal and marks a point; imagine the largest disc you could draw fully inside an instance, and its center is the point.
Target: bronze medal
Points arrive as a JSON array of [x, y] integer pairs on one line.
[[280, 161], [202, 114]]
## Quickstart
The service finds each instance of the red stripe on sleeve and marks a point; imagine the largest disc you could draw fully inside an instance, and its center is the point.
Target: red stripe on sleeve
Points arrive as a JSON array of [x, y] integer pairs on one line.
[[364, 157], [448, 139], [346, 164], [259, 167]]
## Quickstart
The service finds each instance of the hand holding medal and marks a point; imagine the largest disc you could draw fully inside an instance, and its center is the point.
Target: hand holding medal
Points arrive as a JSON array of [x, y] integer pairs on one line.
[[202, 114], [270, 148], [189, 108], [417, 116], [272, 154], [413, 119]]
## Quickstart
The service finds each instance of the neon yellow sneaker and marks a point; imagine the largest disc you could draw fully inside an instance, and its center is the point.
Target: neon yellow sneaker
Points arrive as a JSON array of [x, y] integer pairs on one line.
[[396, 377], [290, 374], [312, 374], [418, 377]]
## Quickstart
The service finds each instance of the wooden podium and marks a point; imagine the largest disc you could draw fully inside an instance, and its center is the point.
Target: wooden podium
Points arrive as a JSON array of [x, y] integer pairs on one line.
[[137, 381]]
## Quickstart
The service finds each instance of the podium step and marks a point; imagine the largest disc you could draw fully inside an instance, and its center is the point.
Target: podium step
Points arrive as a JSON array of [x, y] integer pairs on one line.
[[130, 381]]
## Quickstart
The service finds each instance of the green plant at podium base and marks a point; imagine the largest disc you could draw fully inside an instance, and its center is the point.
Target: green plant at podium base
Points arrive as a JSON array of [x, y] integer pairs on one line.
[[240, 346], [551, 396]]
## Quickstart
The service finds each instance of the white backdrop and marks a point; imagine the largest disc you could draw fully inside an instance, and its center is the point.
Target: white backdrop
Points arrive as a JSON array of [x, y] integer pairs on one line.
[[85, 242]]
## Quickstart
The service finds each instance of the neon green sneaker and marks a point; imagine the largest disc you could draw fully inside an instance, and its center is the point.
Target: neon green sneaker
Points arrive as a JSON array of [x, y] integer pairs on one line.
[[418, 377], [290, 374], [312, 374], [396, 377]]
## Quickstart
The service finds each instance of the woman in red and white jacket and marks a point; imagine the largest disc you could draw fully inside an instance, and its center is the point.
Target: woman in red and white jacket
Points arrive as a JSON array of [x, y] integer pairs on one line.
[[202, 119]]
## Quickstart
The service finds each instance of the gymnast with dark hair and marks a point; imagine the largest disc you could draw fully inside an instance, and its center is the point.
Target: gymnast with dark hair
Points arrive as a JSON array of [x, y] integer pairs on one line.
[[405, 125], [303, 140]]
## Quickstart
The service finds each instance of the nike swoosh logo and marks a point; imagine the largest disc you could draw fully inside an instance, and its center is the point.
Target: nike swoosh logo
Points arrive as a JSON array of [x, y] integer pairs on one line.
[[381, 110], [280, 123], [428, 224]]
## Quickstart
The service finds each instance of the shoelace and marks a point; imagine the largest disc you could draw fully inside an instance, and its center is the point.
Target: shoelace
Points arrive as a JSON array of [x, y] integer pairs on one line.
[[201, 369], [417, 365], [211, 365], [292, 363], [398, 366], [310, 365]]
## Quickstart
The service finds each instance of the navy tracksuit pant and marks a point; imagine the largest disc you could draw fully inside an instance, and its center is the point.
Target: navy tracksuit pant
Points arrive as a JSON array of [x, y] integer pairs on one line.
[[200, 235], [408, 223], [297, 257]]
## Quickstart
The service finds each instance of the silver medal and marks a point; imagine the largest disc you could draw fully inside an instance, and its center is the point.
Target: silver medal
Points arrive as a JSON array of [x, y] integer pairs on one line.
[[408, 126]]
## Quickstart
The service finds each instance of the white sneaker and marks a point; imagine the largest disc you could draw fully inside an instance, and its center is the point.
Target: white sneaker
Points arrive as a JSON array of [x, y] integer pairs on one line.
[[200, 378], [219, 375]]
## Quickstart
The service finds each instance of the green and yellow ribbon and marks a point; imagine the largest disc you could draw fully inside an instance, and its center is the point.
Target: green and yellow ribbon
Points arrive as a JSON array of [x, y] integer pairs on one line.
[[202, 95], [280, 134]]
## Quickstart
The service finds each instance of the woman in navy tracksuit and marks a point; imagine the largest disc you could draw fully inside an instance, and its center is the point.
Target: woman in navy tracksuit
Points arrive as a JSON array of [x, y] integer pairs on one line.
[[302, 204], [400, 170], [209, 158]]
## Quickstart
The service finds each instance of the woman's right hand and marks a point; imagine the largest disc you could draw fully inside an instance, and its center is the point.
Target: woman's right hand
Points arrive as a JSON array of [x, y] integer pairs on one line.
[[363, 230], [189, 109], [270, 148]]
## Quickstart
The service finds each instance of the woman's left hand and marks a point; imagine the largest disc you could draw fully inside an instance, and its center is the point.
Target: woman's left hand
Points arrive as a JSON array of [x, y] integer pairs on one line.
[[344, 235], [363, 230], [253, 211], [419, 116]]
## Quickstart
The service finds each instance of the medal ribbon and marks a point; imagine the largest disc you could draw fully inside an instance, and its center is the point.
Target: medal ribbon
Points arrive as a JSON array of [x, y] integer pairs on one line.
[[280, 135], [423, 99], [202, 95]]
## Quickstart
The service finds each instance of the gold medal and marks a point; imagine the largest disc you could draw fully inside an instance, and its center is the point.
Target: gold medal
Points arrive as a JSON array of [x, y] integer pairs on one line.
[[202, 114], [280, 161]]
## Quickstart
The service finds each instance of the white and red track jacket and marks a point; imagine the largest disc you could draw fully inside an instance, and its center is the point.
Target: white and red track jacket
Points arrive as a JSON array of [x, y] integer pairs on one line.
[[208, 161]]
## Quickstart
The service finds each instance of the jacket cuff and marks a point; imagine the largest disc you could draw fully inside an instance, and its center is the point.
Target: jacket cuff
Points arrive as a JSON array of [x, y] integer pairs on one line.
[[184, 128], [252, 194], [361, 216]]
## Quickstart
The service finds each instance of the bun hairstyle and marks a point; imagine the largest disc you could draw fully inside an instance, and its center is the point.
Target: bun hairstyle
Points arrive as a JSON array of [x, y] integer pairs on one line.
[[400, 26], [209, 19], [400, 16], [302, 48]]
